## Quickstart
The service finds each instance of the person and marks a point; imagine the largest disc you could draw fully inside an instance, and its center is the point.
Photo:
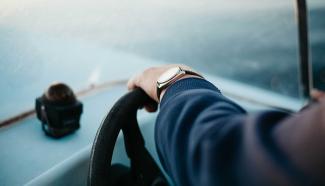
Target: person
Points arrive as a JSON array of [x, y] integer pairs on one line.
[[204, 138]]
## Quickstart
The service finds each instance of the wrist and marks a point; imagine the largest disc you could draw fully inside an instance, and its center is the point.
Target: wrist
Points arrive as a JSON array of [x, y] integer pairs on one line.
[[184, 77], [170, 76], [186, 87]]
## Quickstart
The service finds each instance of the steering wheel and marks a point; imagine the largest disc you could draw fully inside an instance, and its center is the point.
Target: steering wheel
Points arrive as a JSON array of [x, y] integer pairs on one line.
[[143, 169]]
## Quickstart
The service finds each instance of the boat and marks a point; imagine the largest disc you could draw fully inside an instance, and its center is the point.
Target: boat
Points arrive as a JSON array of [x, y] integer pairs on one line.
[[262, 54]]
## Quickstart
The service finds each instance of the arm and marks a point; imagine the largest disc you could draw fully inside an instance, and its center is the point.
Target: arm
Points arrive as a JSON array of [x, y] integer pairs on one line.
[[194, 119], [203, 138]]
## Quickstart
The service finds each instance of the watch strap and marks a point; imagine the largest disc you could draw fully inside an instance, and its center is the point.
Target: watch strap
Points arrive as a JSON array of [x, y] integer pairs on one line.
[[172, 81]]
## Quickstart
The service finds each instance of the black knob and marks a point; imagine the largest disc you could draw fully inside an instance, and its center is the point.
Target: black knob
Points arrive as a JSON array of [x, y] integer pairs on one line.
[[59, 110]]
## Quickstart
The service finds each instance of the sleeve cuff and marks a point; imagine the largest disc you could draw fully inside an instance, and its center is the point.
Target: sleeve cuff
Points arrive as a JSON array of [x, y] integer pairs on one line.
[[187, 84]]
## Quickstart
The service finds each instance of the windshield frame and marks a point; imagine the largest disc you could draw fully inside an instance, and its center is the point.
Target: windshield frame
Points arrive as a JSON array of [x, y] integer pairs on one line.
[[305, 66]]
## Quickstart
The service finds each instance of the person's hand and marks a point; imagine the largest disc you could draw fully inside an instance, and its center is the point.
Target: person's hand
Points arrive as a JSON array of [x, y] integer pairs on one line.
[[318, 95], [147, 80]]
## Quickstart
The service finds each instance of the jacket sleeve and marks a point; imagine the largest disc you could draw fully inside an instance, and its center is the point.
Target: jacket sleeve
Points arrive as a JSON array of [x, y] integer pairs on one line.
[[203, 138]]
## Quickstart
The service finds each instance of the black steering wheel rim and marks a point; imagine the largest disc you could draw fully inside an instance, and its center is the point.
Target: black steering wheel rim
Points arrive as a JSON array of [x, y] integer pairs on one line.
[[122, 116]]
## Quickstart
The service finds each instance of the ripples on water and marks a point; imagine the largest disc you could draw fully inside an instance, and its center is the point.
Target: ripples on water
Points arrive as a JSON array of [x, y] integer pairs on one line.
[[253, 44]]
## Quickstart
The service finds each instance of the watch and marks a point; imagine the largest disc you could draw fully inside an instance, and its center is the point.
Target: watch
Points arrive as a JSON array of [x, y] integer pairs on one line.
[[172, 75]]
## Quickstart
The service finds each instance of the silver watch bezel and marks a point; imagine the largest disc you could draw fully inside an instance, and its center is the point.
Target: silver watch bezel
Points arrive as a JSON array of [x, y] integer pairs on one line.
[[171, 79], [161, 85]]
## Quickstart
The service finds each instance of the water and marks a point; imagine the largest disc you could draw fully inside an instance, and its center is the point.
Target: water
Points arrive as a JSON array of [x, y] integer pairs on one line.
[[255, 43]]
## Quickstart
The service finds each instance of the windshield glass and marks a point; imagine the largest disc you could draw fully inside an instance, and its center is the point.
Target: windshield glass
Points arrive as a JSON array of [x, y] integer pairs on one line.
[[317, 40], [83, 42]]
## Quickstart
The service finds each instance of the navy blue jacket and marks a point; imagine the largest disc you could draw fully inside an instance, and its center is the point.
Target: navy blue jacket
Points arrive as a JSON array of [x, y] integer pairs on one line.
[[203, 138]]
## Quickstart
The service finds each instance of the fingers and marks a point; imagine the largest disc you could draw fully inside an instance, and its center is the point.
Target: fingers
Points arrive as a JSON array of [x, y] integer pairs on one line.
[[147, 80], [151, 107], [133, 82], [317, 95]]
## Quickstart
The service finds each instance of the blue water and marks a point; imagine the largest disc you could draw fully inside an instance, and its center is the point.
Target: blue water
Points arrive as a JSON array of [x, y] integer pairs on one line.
[[259, 48], [81, 42]]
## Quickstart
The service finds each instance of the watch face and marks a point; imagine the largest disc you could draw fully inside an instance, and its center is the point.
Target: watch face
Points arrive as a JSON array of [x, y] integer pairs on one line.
[[169, 74]]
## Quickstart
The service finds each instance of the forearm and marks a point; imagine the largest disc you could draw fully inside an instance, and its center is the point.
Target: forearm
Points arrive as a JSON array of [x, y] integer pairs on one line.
[[203, 138], [191, 113]]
